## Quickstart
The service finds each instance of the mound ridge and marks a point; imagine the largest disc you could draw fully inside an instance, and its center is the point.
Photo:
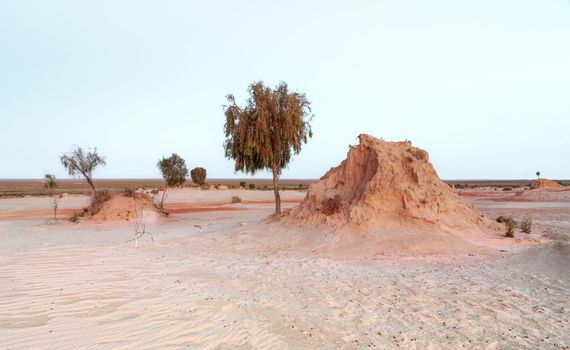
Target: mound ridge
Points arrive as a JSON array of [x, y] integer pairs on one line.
[[383, 186], [123, 208], [545, 183]]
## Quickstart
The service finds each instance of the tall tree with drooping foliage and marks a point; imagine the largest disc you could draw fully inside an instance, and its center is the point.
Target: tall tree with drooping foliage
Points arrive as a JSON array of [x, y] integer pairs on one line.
[[83, 163], [266, 132]]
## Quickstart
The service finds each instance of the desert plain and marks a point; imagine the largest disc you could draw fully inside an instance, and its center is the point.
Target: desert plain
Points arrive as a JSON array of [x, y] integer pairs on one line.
[[206, 282]]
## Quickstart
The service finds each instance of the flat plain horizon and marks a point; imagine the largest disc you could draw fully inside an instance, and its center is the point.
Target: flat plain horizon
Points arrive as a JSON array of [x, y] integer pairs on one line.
[[482, 86]]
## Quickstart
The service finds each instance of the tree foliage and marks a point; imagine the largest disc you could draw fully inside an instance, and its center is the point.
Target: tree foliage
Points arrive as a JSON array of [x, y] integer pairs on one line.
[[198, 175], [173, 169], [50, 182], [267, 131], [78, 162]]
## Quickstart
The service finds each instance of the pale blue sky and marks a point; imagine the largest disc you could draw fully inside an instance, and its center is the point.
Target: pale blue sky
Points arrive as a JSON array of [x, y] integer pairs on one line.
[[482, 85]]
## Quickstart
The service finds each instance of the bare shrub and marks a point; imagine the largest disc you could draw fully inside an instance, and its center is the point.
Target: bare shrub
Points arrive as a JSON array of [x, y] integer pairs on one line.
[[332, 205], [526, 224], [510, 225], [501, 219], [235, 199], [97, 201], [75, 217]]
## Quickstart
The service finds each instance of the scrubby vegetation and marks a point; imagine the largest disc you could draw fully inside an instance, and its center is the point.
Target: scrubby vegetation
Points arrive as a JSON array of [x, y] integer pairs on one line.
[[242, 184], [235, 199], [526, 224], [251, 186], [128, 193], [198, 175], [501, 219], [267, 131], [97, 201], [174, 172], [510, 225], [50, 185]]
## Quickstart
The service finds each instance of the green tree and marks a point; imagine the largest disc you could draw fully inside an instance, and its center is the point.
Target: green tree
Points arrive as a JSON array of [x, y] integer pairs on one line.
[[198, 175], [50, 185], [267, 131], [78, 162], [538, 174], [174, 172]]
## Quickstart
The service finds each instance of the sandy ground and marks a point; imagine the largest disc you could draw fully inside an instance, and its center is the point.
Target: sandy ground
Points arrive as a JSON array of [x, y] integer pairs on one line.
[[83, 286]]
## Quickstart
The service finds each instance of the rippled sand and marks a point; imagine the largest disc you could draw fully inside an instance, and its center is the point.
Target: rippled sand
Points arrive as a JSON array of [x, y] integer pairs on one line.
[[84, 287]]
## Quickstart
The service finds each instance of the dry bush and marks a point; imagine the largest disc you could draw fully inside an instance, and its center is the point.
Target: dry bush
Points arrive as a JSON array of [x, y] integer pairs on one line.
[[198, 175], [510, 225], [251, 186], [235, 199], [97, 201], [242, 184], [526, 224], [507, 189], [332, 205], [75, 217], [128, 193], [501, 219]]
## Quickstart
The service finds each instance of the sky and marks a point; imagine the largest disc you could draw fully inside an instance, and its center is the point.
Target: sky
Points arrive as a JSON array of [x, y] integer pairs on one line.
[[482, 85]]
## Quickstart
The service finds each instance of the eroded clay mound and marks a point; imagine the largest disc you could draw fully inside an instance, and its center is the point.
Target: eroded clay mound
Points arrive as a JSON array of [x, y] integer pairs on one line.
[[543, 195], [124, 208], [385, 185], [545, 183]]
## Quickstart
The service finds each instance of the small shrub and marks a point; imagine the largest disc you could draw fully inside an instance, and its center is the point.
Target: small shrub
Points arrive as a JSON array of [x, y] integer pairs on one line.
[[198, 175], [205, 186], [99, 197], [332, 205], [242, 184], [252, 186], [128, 193], [526, 224], [235, 199], [507, 189], [75, 217], [501, 219], [510, 225]]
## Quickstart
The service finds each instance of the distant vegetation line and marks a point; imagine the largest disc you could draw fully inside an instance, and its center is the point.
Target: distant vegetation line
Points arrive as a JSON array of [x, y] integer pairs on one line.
[[23, 187]]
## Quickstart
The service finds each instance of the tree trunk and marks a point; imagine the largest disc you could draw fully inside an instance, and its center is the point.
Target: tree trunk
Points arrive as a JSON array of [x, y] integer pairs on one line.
[[90, 182], [163, 198], [55, 208], [276, 191]]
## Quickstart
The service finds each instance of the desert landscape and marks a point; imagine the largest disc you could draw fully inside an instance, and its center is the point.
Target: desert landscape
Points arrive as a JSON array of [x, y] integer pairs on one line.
[[252, 175], [213, 274]]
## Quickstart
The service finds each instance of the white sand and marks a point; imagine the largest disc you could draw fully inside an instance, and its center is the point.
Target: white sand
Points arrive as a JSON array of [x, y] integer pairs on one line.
[[82, 287]]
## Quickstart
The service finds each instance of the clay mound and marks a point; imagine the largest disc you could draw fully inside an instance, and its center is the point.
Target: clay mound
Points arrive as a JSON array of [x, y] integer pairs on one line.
[[545, 183], [542, 195], [385, 186], [125, 208]]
